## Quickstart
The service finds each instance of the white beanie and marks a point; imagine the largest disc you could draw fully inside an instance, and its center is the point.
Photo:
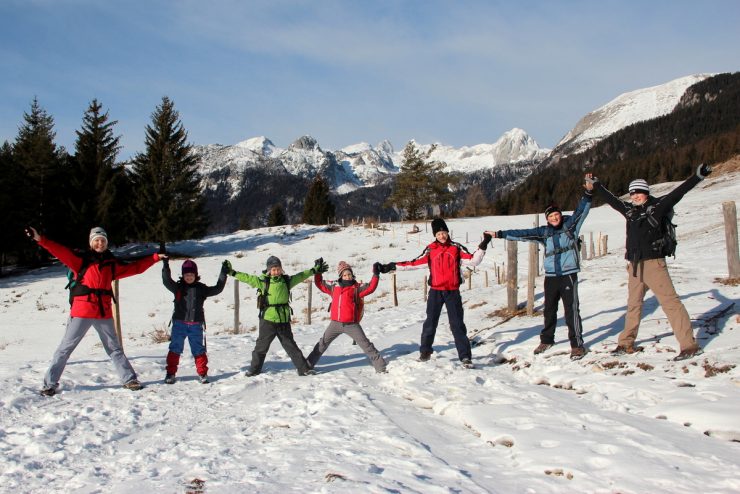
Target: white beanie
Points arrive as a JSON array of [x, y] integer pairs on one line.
[[639, 185], [97, 232]]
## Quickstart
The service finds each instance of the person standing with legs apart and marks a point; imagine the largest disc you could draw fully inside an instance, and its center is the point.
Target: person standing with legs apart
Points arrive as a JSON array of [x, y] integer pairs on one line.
[[647, 218], [444, 259], [275, 312], [188, 318], [346, 312], [559, 238], [90, 299]]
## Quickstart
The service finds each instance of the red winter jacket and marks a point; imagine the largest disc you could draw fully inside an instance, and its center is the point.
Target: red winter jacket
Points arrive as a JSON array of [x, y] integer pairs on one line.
[[97, 276], [344, 298], [444, 263]]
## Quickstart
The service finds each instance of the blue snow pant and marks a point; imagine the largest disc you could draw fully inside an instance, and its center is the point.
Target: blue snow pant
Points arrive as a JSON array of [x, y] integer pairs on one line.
[[76, 329], [565, 287], [194, 334], [452, 301]]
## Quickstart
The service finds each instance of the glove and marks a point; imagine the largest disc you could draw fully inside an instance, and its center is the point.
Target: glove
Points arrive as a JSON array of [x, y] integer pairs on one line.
[[320, 266], [376, 269], [226, 268], [29, 232], [387, 268], [486, 240], [703, 170], [591, 179]]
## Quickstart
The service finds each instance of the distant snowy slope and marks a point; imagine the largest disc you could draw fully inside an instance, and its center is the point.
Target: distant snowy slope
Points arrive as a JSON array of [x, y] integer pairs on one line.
[[624, 110]]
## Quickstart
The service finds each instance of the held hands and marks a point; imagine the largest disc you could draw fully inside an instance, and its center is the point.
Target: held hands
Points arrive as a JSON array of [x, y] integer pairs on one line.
[[492, 234], [320, 266], [486, 240], [31, 233], [226, 268], [376, 269], [387, 268], [589, 181], [703, 170]]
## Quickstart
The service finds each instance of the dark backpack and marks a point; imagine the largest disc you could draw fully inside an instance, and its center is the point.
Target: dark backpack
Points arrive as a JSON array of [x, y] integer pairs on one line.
[[77, 288], [666, 244], [262, 294]]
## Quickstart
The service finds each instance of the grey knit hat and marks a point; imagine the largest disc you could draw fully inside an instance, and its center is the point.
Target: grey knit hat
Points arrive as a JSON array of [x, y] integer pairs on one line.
[[639, 185], [273, 262], [97, 232]]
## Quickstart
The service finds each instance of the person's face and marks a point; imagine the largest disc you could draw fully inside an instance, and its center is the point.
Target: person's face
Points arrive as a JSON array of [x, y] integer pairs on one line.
[[347, 275], [189, 278], [442, 236], [99, 244], [638, 198], [555, 218], [276, 271]]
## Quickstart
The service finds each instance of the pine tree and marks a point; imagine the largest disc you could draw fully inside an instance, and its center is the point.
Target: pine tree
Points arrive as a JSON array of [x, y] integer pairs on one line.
[[169, 202], [318, 208], [277, 216], [43, 166], [12, 240], [476, 203], [420, 183], [98, 181]]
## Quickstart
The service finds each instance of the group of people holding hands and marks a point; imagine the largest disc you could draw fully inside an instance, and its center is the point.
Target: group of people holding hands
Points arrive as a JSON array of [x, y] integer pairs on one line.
[[96, 269]]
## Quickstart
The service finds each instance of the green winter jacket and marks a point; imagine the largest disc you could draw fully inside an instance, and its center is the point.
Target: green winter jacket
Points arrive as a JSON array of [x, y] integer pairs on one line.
[[279, 295]]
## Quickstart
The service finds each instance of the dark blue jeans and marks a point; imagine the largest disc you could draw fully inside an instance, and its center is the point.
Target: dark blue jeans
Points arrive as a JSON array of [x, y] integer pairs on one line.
[[452, 301]]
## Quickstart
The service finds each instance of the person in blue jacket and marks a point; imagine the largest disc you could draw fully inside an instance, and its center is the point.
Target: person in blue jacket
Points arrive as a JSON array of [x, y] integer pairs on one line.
[[562, 264]]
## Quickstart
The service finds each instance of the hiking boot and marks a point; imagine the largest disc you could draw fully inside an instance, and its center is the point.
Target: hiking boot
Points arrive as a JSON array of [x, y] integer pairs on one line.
[[133, 385], [542, 347], [204, 379], [381, 371], [628, 350], [48, 390], [251, 373], [424, 356], [688, 353], [467, 363], [169, 379], [577, 353], [309, 372]]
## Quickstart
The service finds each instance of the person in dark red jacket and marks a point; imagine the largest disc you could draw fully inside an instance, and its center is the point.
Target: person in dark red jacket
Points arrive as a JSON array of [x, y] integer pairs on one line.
[[346, 300], [91, 303], [444, 259]]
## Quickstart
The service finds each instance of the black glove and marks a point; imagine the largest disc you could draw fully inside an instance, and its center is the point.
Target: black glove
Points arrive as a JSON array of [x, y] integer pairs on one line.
[[387, 268], [320, 266], [486, 240], [703, 170], [226, 268], [376, 269]]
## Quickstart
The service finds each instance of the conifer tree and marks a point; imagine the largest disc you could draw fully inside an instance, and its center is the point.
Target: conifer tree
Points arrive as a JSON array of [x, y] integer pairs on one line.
[[169, 204], [420, 183], [476, 203], [276, 216], [318, 207], [98, 182], [12, 240], [43, 167]]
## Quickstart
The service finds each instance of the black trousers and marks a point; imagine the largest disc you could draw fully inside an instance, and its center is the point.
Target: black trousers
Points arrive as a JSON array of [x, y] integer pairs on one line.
[[452, 301], [566, 288], [268, 331]]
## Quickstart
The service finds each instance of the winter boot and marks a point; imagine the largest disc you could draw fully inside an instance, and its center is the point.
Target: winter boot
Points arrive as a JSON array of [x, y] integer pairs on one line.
[[204, 379], [467, 363], [133, 385], [622, 350], [577, 353], [424, 356], [542, 347], [688, 353], [48, 390], [169, 379]]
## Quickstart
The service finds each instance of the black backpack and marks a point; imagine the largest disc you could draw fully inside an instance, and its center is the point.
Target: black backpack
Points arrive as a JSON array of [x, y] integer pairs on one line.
[[666, 244], [262, 303]]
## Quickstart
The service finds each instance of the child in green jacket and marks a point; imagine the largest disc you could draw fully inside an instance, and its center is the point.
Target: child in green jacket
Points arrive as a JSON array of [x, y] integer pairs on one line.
[[274, 316]]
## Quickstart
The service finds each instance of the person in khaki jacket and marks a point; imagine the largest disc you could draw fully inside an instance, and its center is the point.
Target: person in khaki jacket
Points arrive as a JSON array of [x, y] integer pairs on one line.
[[645, 254]]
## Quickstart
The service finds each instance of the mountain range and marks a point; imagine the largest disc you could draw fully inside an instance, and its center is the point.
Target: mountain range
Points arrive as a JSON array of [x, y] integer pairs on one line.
[[229, 171]]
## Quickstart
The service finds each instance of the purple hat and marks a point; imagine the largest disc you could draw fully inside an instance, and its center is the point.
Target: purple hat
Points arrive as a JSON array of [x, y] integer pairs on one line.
[[189, 266]]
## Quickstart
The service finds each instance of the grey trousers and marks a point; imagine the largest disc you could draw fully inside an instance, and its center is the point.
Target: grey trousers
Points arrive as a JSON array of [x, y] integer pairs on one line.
[[354, 331], [76, 329]]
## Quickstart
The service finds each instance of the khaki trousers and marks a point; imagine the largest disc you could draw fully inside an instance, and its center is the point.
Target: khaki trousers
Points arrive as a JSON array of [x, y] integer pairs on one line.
[[653, 274]]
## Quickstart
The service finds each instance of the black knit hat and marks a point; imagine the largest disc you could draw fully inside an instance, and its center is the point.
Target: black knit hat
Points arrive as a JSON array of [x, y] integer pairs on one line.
[[552, 208], [439, 225]]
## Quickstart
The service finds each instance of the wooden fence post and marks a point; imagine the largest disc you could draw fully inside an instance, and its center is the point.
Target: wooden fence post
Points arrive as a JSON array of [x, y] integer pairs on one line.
[[117, 312], [511, 275], [236, 306], [604, 245], [395, 292], [470, 279], [486, 275], [591, 245], [308, 302], [536, 247], [733, 259], [532, 273]]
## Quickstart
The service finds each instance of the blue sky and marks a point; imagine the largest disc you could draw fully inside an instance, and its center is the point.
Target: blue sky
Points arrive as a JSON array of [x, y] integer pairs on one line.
[[455, 72]]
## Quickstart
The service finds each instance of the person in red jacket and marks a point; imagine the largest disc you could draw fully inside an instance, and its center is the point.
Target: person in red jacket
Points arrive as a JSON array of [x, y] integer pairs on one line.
[[346, 300], [91, 297], [444, 259]]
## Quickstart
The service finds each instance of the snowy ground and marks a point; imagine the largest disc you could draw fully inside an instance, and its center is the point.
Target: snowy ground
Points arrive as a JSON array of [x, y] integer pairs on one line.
[[516, 423]]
